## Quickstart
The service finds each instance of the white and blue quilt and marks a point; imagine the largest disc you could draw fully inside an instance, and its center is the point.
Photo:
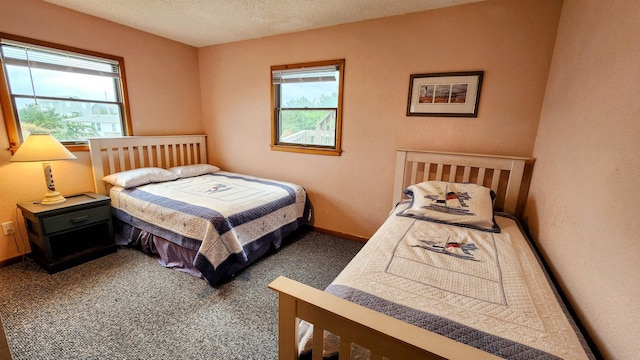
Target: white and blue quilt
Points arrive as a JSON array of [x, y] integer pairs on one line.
[[228, 218], [487, 290]]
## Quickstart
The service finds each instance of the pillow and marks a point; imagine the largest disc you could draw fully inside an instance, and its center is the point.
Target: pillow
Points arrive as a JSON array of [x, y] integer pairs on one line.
[[193, 170], [460, 204], [136, 177]]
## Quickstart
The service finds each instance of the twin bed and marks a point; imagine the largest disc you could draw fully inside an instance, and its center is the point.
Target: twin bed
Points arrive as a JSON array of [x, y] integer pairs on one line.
[[444, 277], [168, 201], [450, 274]]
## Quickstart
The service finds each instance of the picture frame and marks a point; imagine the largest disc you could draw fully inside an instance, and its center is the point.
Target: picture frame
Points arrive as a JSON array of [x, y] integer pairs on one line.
[[452, 94]]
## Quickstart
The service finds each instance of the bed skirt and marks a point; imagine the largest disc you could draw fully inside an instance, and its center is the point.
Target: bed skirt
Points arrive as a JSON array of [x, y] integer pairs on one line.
[[180, 253]]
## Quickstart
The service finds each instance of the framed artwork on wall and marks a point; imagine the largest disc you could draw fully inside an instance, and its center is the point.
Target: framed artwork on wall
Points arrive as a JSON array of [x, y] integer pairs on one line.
[[454, 94]]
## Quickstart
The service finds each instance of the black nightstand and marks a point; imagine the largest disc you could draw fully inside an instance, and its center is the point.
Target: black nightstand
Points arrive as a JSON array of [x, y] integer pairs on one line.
[[67, 234]]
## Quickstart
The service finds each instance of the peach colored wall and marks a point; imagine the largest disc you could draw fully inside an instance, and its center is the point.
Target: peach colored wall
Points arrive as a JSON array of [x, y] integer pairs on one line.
[[163, 84], [512, 41], [584, 197], [584, 131]]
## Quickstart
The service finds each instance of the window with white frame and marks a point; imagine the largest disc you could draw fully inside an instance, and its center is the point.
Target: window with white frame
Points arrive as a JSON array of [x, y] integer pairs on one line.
[[70, 93], [307, 107]]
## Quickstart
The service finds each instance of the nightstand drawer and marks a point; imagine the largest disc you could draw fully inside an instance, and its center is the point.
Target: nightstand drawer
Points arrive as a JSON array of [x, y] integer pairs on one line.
[[75, 219]]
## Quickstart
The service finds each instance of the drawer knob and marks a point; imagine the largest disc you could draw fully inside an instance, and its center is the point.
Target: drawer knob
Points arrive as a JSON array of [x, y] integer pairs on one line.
[[79, 219]]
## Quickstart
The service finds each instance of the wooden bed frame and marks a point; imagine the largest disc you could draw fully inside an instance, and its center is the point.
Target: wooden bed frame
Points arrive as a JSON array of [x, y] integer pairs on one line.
[[110, 155], [381, 334]]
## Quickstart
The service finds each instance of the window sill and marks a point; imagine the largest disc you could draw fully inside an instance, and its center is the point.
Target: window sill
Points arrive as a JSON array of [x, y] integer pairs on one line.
[[306, 150]]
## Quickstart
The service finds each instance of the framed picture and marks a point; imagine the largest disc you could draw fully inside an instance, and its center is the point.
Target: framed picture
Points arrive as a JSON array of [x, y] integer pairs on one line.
[[445, 94]]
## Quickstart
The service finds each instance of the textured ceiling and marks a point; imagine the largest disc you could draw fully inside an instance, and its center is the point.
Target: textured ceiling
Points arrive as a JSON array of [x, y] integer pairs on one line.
[[209, 22]]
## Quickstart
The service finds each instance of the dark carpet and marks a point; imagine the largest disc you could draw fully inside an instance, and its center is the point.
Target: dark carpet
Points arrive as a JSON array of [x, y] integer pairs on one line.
[[127, 306]]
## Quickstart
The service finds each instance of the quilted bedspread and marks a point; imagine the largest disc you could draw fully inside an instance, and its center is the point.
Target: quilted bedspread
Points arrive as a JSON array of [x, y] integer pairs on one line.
[[485, 289], [221, 213]]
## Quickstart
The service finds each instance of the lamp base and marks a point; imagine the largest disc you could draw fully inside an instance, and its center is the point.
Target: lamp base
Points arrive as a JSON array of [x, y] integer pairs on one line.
[[52, 197]]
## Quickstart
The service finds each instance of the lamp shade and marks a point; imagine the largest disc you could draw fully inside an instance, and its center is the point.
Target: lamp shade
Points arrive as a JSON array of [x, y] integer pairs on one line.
[[42, 147]]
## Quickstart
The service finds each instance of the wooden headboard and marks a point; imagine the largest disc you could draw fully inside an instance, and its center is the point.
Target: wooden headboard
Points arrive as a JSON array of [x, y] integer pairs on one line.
[[111, 155], [503, 174]]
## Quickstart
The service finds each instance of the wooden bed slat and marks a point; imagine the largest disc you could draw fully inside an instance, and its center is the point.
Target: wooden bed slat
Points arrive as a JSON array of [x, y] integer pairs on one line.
[[120, 153], [137, 152], [174, 155], [345, 348], [427, 170], [414, 172], [131, 153], [495, 181], [439, 172], [188, 153], [157, 161], [467, 174], [452, 173], [317, 346], [111, 163], [481, 172]]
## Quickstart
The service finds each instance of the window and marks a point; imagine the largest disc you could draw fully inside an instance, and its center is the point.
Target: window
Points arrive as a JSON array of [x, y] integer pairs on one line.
[[71, 93], [307, 107]]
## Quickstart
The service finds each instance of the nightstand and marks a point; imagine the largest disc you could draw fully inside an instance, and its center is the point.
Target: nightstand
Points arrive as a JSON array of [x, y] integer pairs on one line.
[[67, 234]]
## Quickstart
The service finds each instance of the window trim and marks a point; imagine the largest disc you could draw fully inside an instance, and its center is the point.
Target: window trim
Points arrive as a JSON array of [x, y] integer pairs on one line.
[[10, 114], [300, 148]]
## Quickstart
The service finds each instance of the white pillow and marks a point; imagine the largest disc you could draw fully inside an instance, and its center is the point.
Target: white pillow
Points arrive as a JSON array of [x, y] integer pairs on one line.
[[137, 177], [461, 204], [193, 170]]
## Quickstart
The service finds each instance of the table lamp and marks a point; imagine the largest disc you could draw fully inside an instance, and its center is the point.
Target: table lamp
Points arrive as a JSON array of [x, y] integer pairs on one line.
[[44, 148]]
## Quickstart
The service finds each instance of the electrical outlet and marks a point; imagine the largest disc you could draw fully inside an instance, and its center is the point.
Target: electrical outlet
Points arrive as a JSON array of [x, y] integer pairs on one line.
[[7, 228]]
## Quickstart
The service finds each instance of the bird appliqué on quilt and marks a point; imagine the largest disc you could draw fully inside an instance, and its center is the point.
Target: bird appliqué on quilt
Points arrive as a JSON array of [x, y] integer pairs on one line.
[[452, 248]]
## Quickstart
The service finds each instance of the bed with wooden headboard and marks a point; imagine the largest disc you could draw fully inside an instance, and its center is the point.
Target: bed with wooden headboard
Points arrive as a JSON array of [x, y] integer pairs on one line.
[[422, 288], [169, 201]]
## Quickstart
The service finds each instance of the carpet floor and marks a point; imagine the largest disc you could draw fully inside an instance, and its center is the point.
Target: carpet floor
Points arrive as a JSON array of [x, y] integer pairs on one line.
[[127, 306]]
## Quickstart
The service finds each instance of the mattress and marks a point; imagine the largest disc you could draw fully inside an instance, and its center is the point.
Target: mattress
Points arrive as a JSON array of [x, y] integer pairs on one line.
[[226, 219], [488, 290]]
